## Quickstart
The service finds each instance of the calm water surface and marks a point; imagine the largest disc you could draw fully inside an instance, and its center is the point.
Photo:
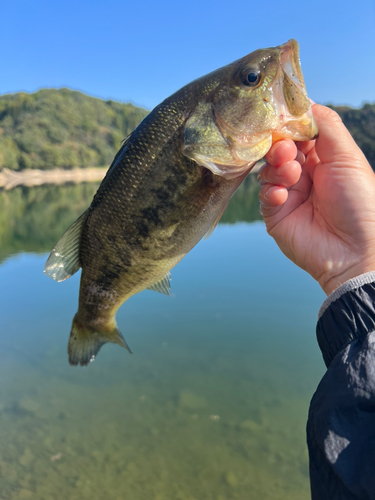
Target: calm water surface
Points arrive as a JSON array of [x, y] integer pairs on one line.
[[213, 403]]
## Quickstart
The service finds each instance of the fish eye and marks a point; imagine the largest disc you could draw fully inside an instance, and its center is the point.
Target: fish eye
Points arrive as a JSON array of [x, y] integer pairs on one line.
[[251, 78]]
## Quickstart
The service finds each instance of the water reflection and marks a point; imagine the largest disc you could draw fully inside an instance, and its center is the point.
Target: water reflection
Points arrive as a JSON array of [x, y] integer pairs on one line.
[[32, 219]]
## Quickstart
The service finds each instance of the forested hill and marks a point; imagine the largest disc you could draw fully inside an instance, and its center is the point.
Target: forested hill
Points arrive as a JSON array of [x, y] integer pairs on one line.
[[64, 128], [361, 124]]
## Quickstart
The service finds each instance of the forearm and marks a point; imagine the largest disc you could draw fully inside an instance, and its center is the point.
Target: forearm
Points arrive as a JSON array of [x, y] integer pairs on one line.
[[341, 424]]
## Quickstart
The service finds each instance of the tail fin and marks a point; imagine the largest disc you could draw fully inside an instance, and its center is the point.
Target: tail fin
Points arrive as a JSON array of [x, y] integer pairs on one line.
[[85, 343]]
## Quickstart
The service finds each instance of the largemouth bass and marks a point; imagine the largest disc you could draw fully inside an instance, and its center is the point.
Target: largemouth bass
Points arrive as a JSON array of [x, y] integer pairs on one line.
[[170, 183]]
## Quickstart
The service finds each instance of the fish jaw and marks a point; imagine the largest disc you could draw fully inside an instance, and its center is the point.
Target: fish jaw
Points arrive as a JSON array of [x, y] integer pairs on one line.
[[296, 120]]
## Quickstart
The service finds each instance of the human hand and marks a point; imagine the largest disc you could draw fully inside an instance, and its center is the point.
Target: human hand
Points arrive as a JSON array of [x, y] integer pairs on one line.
[[318, 202]]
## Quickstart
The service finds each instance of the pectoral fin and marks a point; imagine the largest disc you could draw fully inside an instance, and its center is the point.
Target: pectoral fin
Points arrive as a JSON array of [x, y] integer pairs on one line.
[[162, 286], [215, 223], [63, 261]]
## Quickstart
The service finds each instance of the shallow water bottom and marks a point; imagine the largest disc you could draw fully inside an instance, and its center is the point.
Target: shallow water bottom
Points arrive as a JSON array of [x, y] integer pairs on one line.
[[212, 405], [179, 430]]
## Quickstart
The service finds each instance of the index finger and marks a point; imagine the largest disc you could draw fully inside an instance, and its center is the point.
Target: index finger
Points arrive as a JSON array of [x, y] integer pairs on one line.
[[281, 152]]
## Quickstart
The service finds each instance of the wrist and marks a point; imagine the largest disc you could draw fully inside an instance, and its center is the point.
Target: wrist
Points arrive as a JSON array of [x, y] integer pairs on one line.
[[331, 283], [352, 284]]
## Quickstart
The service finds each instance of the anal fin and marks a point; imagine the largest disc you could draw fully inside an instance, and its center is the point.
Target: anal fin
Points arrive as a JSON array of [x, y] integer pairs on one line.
[[162, 286]]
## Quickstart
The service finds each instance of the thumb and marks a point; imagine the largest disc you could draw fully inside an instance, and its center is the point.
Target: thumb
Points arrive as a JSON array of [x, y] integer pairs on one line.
[[335, 144]]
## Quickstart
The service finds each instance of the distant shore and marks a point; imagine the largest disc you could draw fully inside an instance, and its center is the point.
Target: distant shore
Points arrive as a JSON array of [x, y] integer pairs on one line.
[[33, 177]]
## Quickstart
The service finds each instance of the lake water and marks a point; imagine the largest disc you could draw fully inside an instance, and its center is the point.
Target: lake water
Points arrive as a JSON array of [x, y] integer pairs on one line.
[[213, 403]]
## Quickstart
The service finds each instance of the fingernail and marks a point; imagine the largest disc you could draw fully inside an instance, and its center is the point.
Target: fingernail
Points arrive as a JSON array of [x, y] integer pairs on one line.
[[276, 145], [300, 157], [312, 102], [261, 181], [267, 193]]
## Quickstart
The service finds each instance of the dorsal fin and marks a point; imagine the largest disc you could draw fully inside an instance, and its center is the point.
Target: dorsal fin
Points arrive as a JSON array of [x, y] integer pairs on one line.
[[163, 285], [63, 261]]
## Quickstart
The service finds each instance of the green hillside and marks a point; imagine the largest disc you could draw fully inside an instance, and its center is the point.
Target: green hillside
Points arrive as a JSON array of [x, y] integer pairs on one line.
[[62, 128]]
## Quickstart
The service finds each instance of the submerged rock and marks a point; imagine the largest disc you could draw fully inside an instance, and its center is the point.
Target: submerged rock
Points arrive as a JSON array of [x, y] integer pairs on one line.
[[29, 404], [24, 494], [190, 401], [230, 479], [26, 458], [249, 425]]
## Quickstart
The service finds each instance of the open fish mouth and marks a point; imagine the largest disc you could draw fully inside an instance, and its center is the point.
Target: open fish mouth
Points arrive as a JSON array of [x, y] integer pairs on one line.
[[292, 104], [289, 59]]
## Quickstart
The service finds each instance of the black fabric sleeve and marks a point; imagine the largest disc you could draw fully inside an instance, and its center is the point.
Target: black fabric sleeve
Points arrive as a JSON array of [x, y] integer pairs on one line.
[[341, 423]]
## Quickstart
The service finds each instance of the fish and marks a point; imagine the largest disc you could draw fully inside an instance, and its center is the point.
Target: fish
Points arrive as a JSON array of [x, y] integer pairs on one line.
[[170, 183]]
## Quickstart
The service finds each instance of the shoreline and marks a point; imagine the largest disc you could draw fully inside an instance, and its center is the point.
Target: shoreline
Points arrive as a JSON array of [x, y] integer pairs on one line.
[[33, 177], [10, 179]]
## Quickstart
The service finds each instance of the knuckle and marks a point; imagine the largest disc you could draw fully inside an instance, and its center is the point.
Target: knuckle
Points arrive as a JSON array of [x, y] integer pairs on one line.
[[335, 117], [330, 114]]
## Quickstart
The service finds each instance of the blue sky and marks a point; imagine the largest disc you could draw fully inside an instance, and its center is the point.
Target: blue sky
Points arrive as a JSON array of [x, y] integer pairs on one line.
[[142, 51]]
